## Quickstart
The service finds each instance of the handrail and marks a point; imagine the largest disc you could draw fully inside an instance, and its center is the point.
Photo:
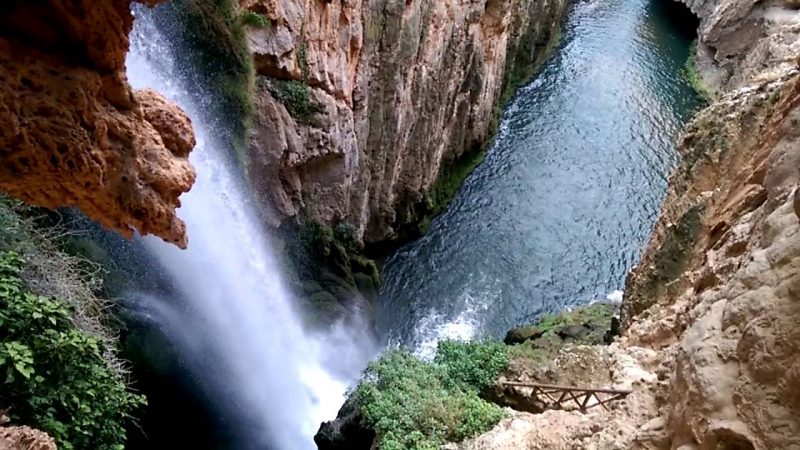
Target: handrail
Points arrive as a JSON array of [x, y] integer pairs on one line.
[[568, 388], [573, 393]]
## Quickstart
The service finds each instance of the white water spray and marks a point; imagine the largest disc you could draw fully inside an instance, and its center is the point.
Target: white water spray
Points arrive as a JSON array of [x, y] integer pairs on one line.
[[236, 325]]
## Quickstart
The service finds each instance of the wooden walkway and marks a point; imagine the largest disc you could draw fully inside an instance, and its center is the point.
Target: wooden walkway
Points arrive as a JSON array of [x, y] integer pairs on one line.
[[581, 396]]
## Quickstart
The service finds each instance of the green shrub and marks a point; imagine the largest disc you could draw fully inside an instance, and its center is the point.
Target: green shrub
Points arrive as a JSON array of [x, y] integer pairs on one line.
[[693, 75], [472, 364], [417, 405], [53, 375], [254, 19], [302, 59], [295, 95]]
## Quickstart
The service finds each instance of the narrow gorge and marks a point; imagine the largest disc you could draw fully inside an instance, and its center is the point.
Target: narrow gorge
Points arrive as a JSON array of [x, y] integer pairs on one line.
[[368, 217]]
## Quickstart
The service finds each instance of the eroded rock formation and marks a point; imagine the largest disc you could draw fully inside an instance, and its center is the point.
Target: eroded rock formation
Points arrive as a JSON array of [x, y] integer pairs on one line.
[[742, 40], [25, 438], [370, 111], [718, 288], [72, 130], [727, 313]]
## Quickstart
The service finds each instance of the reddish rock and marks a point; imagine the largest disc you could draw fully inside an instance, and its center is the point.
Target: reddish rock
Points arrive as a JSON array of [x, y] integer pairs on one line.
[[72, 130], [399, 91]]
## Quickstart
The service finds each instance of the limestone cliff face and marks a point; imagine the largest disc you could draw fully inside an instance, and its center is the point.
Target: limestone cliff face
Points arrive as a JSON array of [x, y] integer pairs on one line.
[[743, 40], [398, 93], [712, 311], [718, 293], [718, 289], [74, 133]]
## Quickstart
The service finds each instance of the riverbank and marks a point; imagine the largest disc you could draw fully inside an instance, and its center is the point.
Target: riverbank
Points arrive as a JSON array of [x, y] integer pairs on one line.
[[406, 402]]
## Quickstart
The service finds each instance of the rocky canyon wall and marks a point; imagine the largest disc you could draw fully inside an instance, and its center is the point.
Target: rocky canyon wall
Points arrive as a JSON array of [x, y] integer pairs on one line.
[[742, 41], [72, 130], [371, 112], [717, 291]]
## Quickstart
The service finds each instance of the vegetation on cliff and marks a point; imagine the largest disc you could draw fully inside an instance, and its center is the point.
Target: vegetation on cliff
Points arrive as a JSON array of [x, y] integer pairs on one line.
[[56, 377], [414, 404], [593, 324], [59, 367], [215, 35], [694, 76], [327, 267], [295, 95]]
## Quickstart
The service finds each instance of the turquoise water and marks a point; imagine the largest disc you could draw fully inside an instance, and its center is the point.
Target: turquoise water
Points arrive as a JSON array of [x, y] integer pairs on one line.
[[564, 202]]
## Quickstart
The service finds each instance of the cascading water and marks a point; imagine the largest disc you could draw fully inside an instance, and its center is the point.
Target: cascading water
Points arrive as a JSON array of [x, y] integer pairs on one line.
[[231, 318]]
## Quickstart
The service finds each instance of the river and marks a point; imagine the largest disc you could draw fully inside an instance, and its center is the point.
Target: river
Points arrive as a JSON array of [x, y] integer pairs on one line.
[[566, 198]]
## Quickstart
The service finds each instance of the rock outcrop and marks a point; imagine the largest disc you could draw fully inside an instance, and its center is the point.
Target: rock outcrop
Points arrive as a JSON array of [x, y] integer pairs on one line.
[[743, 40], [371, 112], [25, 438], [717, 289], [72, 130], [726, 312]]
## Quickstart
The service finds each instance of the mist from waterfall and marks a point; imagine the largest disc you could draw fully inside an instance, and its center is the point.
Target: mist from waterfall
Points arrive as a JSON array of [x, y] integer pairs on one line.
[[232, 319]]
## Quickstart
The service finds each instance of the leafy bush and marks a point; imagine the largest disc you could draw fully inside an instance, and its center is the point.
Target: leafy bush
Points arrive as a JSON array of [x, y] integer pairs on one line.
[[295, 95], [55, 377], [472, 364], [78, 275], [419, 405], [254, 19]]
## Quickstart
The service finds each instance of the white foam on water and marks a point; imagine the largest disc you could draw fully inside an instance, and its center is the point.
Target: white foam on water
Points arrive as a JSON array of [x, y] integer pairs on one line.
[[436, 326], [615, 296]]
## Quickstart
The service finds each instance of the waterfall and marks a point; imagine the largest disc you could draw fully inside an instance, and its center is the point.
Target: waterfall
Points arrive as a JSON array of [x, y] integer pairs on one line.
[[233, 320]]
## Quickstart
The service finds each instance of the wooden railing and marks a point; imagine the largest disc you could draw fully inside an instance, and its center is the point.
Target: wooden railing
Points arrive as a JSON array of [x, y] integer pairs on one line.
[[581, 396]]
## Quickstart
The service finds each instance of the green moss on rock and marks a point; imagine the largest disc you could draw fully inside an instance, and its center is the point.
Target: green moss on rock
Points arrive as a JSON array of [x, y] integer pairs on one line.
[[669, 262], [694, 77], [594, 324], [254, 19], [330, 266], [215, 33]]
